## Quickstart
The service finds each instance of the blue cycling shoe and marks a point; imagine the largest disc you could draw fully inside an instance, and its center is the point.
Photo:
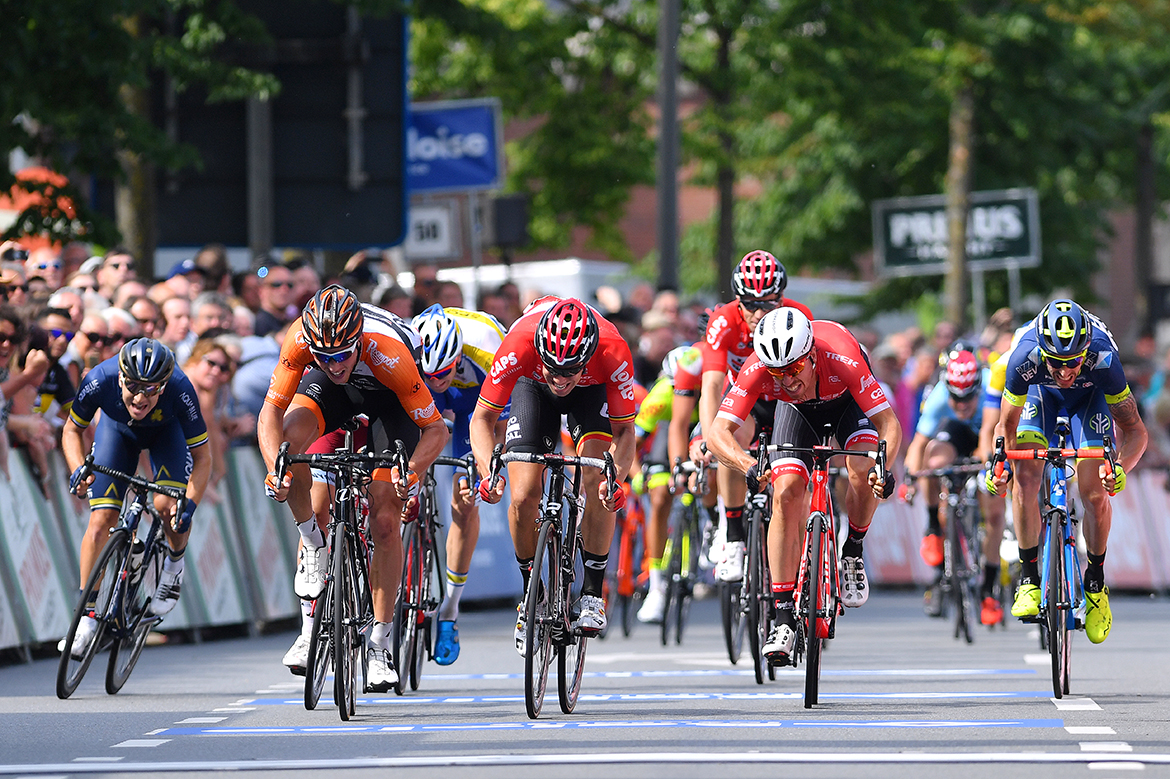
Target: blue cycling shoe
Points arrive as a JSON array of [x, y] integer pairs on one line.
[[447, 644]]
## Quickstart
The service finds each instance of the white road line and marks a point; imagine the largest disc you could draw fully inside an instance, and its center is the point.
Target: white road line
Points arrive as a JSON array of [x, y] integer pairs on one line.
[[142, 742], [1105, 746], [1037, 659], [200, 720], [1120, 765], [1090, 730], [97, 759], [235, 708], [1076, 704]]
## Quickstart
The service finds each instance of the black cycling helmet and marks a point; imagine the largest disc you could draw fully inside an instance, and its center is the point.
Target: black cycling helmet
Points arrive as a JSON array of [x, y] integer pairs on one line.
[[1063, 330], [146, 361]]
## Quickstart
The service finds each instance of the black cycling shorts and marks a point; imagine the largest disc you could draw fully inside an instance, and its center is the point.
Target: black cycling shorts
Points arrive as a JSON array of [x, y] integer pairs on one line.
[[802, 425], [535, 423], [959, 435]]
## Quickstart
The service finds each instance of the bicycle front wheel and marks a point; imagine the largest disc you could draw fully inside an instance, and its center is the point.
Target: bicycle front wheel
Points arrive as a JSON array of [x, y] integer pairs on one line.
[[346, 639], [135, 619], [960, 576], [408, 609], [104, 582], [817, 600], [689, 567], [1056, 615], [320, 644], [758, 594], [734, 625], [541, 614], [570, 671], [672, 571]]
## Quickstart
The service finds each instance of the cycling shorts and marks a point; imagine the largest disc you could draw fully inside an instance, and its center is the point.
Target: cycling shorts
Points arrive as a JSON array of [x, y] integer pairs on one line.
[[958, 434], [119, 446], [335, 404], [801, 426], [1087, 410], [535, 423]]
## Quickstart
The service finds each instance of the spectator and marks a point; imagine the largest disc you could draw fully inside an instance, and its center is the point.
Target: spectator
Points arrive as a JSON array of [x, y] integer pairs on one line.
[[213, 261], [186, 279], [87, 348], [511, 294], [45, 263], [53, 335], [210, 368], [655, 343], [276, 291], [147, 314], [122, 329], [492, 301], [246, 288], [641, 297], [32, 365], [72, 256], [306, 282], [69, 299], [176, 313], [13, 287], [396, 300], [243, 320], [258, 358], [449, 294], [425, 281], [117, 266], [210, 312], [131, 288]]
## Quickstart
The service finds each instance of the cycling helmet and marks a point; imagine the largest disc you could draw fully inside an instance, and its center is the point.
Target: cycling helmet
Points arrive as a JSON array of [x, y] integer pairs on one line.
[[759, 275], [1063, 330], [964, 377], [333, 320], [960, 345], [567, 335], [670, 362], [782, 337], [146, 361], [442, 340]]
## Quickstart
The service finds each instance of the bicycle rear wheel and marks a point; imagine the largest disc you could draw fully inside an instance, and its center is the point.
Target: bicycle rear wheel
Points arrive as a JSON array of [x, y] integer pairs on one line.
[[1056, 616], [346, 639], [407, 609], [673, 574], [133, 615], [734, 625], [817, 599], [320, 645], [104, 582], [422, 615], [541, 611], [960, 578], [570, 671], [758, 594], [689, 558]]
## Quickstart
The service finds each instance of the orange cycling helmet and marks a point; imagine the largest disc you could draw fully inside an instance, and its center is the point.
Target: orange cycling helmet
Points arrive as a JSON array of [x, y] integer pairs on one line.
[[333, 320]]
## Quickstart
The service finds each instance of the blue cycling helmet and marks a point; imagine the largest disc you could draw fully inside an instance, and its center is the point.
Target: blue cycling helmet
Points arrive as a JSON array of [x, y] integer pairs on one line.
[[442, 341], [1063, 329], [146, 361]]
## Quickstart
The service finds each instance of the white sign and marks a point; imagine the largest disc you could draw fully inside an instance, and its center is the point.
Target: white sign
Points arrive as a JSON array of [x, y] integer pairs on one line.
[[431, 232]]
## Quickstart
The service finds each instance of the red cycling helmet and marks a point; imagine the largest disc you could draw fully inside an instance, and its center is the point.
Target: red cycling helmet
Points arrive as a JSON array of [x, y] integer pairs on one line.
[[759, 275], [964, 377], [567, 335]]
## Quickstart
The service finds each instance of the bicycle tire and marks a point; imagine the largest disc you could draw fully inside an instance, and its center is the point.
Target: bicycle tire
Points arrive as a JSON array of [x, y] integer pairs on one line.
[[1056, 617], [345, 610], [689, 559], [960, 583], [734, 625], [136, 622], [320, 645], [570, 671], [757, 595], [541, 607], [817, 598], [422, 615], [103, 584], [673, 573], [405, 610]]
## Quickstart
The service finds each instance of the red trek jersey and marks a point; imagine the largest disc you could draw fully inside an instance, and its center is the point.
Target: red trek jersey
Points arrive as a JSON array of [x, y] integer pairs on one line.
[[840, 368], [611, 365], [728, 342]]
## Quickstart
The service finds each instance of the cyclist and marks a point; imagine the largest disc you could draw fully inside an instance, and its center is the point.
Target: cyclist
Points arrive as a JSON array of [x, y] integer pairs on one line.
[[652, 428], [457, 351], [560, 358], [1067, 361], [820, 372], [147, 403], [759, 281], [948, 429], [359, 360]]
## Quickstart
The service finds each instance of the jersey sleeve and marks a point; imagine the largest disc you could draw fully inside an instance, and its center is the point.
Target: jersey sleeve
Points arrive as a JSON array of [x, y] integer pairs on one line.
[[618, 365], [932, 410], [185, 407], [392, 363], [738, 402], [86, 403], [294, 358], [713, 347]]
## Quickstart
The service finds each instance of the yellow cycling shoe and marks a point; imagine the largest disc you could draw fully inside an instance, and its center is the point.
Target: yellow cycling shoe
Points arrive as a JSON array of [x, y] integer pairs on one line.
[[1098, 617], [1027, 603]]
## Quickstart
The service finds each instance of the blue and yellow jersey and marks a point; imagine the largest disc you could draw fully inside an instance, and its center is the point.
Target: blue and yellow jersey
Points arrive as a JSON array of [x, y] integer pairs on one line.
[[1102, 369], [100, 390]]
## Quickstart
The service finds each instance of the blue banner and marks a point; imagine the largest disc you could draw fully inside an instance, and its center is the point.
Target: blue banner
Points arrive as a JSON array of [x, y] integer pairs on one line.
[[454, 146]]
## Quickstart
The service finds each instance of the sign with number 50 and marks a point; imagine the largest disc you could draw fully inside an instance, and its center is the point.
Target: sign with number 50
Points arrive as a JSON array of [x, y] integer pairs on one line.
[[431, 232]]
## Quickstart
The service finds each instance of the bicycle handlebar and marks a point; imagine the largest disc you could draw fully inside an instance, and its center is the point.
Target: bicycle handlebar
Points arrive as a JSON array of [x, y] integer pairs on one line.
[[335, 460], [956, 469], [554, 460], [89, 467]]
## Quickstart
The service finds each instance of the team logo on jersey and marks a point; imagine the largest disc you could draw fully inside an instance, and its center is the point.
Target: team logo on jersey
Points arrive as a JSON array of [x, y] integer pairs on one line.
[[192, 411], [1100, 424], [1030, 411], [378, 358], [504, 363], [714, 329], [865, 382], [624, 379], [513, 430], [877, 393], [834, 379], [841, 358], [423, 413], [156, 415]]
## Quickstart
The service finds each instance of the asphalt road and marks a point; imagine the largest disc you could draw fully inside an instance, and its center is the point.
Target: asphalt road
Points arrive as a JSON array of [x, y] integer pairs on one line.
[[898, 694]]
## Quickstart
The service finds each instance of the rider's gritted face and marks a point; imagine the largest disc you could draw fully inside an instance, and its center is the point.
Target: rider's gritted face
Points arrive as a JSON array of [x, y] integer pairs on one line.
[[561, 385], [140, 400], [799, 379], [338, 366]]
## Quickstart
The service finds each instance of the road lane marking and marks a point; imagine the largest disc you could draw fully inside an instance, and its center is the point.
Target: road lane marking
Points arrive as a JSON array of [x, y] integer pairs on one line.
[[1119, 765], [1091, 730], [794, 672], [200, 720], [1105, 746], [144, 742], [1076, 704]]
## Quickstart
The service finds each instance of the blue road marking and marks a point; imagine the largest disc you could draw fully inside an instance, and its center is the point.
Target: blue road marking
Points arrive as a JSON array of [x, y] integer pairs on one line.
[[674, 696], [857, 672], [611, 725]]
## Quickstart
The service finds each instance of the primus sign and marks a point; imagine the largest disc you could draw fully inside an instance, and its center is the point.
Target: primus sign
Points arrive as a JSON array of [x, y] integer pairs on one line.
[[454, 146], [910, 233]]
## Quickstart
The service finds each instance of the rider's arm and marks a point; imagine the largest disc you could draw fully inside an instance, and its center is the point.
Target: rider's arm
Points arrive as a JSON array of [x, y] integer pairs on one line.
[[915, 452], [431, 441], [987, 433], [622, 447], [1009, 420], [1133, 432], [73, 444], [270, 432], [710, 397], [682, 407], [483, 439], [721, 441], [889, 428], [200, 472]]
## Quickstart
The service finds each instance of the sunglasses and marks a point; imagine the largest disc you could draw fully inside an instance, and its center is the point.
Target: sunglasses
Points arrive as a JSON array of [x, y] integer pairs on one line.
[[7, 289], [99, 340], [443, 373], [7, 338], [563, 373], [791, 369], [48, 266], [278, 284], [959, 400], [221, 367], [759, 305], [1064, 362], [66, 334], [135, 388], [15, 255], [338, 357]]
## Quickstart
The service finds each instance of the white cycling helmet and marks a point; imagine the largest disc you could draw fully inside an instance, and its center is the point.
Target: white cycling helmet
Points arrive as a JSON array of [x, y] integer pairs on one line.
[[782, 337], [442, 341]]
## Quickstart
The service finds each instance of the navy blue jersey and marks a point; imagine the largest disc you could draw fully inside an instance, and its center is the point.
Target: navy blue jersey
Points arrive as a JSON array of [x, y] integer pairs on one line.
[[100, 389], [1101, 370]]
